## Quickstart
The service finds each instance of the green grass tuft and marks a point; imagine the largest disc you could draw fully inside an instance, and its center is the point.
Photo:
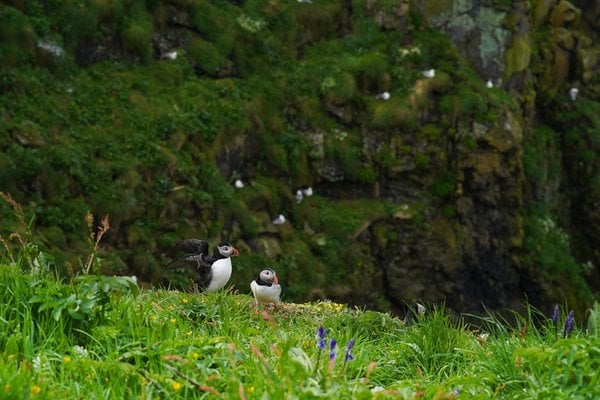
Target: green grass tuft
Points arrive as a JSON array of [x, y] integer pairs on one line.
[[115, 342]]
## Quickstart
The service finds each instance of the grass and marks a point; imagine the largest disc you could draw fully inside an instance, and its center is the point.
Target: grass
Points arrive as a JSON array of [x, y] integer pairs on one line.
[[163, 343], [98, 336], [269, 91]]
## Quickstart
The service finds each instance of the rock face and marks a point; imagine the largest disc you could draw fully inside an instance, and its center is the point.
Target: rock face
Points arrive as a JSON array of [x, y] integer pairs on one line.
[[477, 29], [477, 184]]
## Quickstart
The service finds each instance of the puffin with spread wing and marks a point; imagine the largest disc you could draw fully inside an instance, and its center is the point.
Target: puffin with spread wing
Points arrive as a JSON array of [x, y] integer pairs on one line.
[[212, 270]]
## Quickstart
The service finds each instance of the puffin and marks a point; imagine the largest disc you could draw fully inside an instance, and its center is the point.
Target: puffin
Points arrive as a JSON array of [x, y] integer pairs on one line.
[[266, 288], [212, 271]]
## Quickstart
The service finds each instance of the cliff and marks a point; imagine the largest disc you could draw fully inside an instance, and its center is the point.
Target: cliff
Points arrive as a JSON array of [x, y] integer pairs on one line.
[[475, 186]]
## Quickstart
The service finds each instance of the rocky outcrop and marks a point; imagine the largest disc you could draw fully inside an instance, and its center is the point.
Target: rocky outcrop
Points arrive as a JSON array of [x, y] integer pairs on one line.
[[474, 184]]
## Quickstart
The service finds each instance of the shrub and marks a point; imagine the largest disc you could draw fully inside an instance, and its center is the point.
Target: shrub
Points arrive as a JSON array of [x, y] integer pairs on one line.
[[136, 38], [371, 71], [444, 185], [17, 38], [205, 56]]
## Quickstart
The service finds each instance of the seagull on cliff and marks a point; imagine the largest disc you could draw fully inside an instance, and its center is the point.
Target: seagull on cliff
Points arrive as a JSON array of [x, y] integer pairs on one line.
[[280, 220], [430, 73], [299, 196], [170, 55], [383, 96], [266, 288], [308, 191], [573, 93], [212, 271], [238, 184], [489, 84]]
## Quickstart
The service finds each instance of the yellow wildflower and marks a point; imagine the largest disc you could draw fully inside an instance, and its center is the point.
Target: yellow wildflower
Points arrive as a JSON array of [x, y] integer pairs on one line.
[[176, 386], [67, 359], [35, 389], [195, 355], [185, 301], [173, 321]]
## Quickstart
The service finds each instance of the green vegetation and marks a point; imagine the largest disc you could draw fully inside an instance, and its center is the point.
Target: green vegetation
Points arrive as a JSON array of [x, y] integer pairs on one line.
[[95, 120], [99, 338]]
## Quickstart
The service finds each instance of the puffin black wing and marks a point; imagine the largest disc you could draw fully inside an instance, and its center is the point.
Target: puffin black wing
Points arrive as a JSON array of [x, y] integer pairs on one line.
[[196, 254], [193, 246]]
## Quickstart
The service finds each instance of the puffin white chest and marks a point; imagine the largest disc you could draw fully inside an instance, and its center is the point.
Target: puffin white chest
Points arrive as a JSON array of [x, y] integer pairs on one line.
[[266, 294], [220, 274]]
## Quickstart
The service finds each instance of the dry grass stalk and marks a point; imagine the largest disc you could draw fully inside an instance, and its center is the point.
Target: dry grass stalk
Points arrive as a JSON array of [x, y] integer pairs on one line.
[[94, 238]]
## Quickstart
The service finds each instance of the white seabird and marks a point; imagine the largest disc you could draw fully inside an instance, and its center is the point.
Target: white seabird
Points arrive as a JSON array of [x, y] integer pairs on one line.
[[266, 288], [430, 73], [299, 196], [308, 191], [573, 93], [383, 96], [170, 55], [280, 220]]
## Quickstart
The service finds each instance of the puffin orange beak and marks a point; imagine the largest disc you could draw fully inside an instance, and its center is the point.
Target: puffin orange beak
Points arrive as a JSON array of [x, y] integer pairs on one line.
[[275, 279], [235, 252]]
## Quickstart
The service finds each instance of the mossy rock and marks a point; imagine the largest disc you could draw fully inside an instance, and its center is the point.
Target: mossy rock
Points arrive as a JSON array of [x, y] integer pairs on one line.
[[206, 56], [541, 12], [318, 23], [393, 113], [269, 246], [436, 8], [243, 216], [29, 134], [518, 55], [565, 14], [136, 39]]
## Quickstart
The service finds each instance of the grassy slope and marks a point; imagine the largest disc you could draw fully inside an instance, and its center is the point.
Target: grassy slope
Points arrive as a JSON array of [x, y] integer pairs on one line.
[[98, 338]]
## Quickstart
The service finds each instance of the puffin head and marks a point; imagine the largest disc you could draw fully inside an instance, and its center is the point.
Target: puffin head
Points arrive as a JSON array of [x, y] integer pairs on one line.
[[227, 250], [268, 276]]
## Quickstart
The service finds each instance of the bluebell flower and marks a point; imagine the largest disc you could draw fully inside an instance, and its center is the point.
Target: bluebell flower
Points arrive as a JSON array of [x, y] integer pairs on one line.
[[555, 315], [349, 346], [569, 324], [332, 344], [321, 333]]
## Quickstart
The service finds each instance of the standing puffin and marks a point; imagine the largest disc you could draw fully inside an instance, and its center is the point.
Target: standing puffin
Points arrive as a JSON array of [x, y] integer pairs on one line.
[[266, 288], [212, 271]]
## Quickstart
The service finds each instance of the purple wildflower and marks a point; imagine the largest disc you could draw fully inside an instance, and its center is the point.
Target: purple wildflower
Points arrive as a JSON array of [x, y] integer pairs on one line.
[[332, 344], [349, 356], [456, 391], [321, 333], [555, 315], [569, 324]]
